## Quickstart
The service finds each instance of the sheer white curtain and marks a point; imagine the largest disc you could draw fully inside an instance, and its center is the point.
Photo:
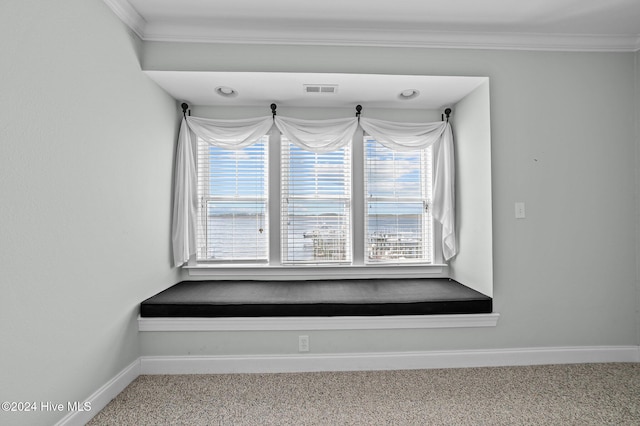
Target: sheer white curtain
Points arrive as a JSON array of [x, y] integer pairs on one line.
[[230, 134], [318, 136], [313, 135], [413, 136], [185, 195]]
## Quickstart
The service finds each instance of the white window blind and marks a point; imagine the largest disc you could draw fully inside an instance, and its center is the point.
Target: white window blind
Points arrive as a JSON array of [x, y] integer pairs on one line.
[[315, 205], [233, 195], [398, 223]]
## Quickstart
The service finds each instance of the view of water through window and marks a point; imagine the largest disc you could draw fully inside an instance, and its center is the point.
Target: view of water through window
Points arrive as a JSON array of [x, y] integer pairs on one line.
[[315, 205]]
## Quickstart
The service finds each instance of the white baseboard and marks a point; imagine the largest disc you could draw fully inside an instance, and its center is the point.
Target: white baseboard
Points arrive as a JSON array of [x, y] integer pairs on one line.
[[100, 398], [385, 361]]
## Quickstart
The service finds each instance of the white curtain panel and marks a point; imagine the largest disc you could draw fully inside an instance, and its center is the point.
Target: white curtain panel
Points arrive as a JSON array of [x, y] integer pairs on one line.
[[444, 195], [316, 136], [403, 136], [412, 136], [230, 134], [185, 196]]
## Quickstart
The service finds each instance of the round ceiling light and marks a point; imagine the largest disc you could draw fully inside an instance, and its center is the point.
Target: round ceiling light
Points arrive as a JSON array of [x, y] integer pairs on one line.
[[226, 92], [409, 94]]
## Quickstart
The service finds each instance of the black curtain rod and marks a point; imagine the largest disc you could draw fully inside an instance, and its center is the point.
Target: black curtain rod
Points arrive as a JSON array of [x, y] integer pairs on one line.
[[185, 107], [447, 112]]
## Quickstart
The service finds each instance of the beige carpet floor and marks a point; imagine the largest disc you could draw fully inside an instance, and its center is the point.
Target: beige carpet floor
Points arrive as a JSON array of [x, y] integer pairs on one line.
[[582, 394]]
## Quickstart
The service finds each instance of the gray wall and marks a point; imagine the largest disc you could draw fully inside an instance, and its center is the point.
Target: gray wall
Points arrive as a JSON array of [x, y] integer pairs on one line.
[[563, 141], [86, 151], [637, 212]]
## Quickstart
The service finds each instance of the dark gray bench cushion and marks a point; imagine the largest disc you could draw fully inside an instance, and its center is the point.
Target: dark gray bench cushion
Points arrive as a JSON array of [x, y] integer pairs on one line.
[[361, 297]]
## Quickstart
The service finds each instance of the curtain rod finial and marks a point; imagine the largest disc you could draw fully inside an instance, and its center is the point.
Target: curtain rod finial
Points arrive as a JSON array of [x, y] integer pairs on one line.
[[447, 112], [185, 107], [273, 109], [358, 110]]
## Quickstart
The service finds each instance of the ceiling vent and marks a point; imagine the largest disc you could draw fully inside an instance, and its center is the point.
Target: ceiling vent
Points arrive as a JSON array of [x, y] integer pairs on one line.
[[320, 88]]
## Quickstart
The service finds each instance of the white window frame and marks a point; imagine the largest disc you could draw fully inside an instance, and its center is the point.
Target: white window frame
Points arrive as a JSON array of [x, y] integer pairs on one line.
[[275, 269], [286, 199], [204, 198], [425, 199]]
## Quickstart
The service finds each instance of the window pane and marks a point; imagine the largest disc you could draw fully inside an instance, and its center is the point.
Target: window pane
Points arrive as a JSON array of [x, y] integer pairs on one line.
[[396, 231], [393, 174], [236, 173], [316, 205], [236, 231], [317, 231], [232, 210]]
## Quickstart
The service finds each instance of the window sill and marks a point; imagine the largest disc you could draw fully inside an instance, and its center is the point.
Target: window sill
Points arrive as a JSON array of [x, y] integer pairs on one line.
[[318, 323], [254, 271]]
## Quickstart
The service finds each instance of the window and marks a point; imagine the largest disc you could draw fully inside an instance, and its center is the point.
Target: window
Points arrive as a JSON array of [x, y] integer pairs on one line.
[[316, 205], [233, 222], [318, 211], [398, 194]]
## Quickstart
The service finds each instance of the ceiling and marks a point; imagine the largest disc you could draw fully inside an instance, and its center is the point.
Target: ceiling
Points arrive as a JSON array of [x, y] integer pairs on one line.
[[554, 25]]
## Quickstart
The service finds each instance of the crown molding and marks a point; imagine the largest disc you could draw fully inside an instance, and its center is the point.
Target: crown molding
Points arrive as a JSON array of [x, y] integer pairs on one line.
[[129, 15], [170, 32], [328, 34]]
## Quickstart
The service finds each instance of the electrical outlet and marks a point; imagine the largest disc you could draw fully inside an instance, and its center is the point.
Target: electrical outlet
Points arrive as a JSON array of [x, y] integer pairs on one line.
[[303, 343]]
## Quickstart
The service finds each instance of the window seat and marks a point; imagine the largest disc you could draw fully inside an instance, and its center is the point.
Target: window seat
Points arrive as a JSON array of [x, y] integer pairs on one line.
[[316, 298]]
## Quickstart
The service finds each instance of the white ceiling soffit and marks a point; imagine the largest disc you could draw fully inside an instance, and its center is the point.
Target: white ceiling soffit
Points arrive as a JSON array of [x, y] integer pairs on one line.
[[287, 89], [556, 25]]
